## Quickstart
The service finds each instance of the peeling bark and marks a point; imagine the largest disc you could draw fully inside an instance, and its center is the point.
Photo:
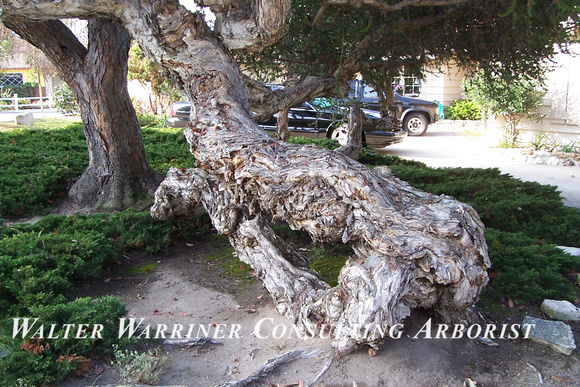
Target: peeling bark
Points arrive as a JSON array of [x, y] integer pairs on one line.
[[354, 129], [282, 125], [412, 249]]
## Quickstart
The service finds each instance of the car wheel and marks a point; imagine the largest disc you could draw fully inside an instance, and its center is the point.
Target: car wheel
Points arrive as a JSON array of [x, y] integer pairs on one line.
[[415, 124], [339, 133]]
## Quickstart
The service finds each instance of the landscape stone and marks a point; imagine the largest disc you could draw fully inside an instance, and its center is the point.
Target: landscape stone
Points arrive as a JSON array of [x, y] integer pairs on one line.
[[571, 250], [25, 119], [555, 334], [561, 310], [568, 163], [539, 161]]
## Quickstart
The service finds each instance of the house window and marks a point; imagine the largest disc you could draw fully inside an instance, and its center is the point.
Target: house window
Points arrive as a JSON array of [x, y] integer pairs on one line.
[[11, 79], [412, 86], [408, 85]]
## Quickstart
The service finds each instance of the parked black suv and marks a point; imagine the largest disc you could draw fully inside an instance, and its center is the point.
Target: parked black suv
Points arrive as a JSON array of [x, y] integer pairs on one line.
[[415, 114]]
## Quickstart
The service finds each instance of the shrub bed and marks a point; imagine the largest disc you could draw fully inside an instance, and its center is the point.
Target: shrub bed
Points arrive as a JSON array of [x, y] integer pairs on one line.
[[40, 264]]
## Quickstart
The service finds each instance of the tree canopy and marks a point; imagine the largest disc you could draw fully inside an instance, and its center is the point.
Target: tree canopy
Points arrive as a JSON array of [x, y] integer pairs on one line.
[[377, 39]]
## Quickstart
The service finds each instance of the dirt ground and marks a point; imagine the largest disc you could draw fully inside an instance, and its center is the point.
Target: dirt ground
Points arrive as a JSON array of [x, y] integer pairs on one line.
[[185, 289]]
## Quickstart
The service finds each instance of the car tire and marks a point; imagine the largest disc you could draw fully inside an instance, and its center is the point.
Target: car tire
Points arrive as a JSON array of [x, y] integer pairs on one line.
[[339, 133], [415, 124]]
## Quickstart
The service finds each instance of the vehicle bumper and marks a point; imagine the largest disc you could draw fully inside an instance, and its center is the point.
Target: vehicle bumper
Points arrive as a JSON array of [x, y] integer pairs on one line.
[[176, 122], [380, 139]]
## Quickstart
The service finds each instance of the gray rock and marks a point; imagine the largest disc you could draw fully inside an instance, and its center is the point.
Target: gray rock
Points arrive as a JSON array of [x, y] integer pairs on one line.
[[568, 163], [539, 161], [553, 161], [25, 119], [571, 250], [542, 153], [561, 310], [555, 334]]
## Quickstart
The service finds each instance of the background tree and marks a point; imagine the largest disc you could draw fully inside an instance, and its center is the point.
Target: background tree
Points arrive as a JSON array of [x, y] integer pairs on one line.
[[513, 100], [377, 39], [118, 174], [410, 249], [150, 75]]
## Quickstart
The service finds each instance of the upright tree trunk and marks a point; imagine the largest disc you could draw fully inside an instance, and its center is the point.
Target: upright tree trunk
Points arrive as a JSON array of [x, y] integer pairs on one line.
[[118, 174], [354, 130]]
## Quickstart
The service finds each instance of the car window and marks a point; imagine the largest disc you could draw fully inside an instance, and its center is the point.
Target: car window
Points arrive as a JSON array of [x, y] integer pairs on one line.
[[369, 92]]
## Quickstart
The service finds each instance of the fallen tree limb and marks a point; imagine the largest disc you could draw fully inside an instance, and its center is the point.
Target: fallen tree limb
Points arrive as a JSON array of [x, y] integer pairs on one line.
[[192, 342], [321, 373], [273, 363]]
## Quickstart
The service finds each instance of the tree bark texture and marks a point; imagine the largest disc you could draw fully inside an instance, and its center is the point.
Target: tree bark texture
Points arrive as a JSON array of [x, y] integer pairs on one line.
[[354, 129], [118, 174], [412, 249]]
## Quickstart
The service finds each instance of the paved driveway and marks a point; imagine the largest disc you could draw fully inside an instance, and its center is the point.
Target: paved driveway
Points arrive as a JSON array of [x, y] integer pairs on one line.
[[444, 146]]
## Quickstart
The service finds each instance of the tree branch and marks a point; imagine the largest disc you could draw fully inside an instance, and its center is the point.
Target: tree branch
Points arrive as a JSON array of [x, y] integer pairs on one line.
[[384, 6]]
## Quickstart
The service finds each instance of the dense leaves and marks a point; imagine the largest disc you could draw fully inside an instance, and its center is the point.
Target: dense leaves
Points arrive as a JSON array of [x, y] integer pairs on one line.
[[38, 166], [513, 99], [41, 263], [504, 38]]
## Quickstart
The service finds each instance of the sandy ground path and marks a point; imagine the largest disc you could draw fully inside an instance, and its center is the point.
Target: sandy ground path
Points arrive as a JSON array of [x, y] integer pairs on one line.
[[184, 289]]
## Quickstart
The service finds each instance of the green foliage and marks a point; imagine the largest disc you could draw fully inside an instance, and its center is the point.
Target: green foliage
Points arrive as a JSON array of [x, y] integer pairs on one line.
[[141, 368], [504, 37], [37, 268], [464, 109], [513, 99], [38, 166], [39, 265], [27, 89], [64, 100], [150, 120], [542, 141], [58, 359], [328, 260], [569, 148], [165, 148], [527, 269]]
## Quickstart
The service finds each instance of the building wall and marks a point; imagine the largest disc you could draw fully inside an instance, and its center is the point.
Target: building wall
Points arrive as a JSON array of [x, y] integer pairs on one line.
[[560, 108], [443, 85]]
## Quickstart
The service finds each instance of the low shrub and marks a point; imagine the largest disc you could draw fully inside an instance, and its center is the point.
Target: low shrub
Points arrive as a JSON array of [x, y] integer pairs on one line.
[[150, 120], [32, 362], [40, 264], [64, 100], [143, 368], [39, 166], [527, 269], [464, 109]]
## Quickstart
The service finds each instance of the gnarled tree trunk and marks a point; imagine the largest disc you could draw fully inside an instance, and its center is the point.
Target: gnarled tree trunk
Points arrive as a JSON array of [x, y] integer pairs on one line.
[[412, 249], [118, 175], [353, 134]]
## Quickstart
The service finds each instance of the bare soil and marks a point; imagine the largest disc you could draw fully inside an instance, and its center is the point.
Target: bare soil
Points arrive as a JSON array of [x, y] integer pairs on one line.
[[184, 288]]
